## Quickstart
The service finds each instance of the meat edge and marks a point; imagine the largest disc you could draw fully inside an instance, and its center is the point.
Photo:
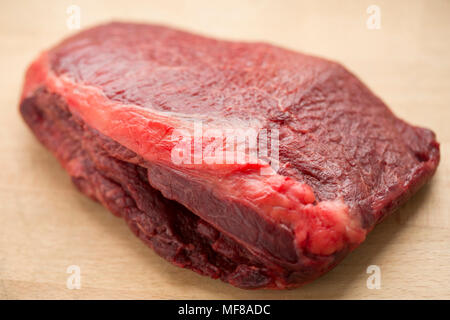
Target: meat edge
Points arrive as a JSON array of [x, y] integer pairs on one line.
[[259, 270]]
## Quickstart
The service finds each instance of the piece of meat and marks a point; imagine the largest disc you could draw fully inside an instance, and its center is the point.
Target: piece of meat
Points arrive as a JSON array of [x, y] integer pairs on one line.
[[109, 101]]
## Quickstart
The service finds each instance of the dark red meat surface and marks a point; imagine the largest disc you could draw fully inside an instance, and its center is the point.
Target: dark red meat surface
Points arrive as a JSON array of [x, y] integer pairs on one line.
[[107, 100]]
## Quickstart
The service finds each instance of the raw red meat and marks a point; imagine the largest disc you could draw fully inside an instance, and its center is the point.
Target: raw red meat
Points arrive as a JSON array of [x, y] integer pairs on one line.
[[108, 100]]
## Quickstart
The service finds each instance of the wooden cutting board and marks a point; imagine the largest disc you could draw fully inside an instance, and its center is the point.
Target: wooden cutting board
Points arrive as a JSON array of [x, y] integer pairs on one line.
[[46, 225]]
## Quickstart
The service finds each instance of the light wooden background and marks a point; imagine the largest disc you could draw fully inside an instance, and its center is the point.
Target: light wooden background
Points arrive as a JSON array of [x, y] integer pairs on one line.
[[46, 225]]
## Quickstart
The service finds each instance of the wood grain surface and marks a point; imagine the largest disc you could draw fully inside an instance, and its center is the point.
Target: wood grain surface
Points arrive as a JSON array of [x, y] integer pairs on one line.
[[46, 225]]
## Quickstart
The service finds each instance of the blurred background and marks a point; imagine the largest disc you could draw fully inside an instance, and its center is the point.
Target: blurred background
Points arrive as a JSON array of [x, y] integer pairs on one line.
[[400, 49]]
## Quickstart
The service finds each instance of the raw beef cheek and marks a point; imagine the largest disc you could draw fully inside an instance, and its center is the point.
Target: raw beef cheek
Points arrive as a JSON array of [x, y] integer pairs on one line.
[[107, 100]]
